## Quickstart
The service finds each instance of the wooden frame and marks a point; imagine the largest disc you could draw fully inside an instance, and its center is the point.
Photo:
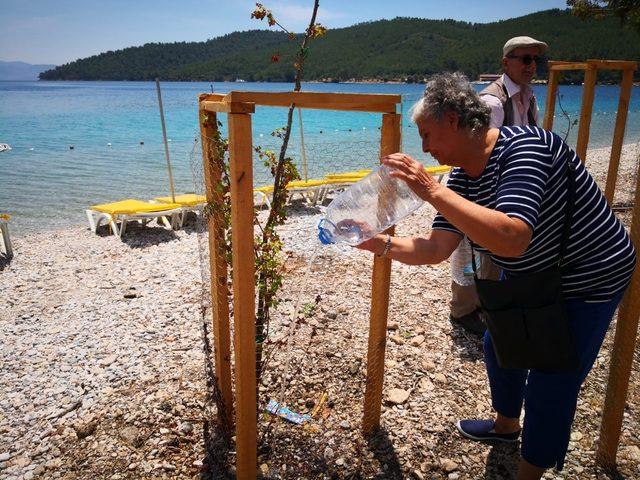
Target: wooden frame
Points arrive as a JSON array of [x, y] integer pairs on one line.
[[239, 106], [629, 312], [591, 68], [390, 143]]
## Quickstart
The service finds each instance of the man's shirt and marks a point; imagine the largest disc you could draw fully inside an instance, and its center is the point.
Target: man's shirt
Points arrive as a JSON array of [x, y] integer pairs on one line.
[[521, 98]]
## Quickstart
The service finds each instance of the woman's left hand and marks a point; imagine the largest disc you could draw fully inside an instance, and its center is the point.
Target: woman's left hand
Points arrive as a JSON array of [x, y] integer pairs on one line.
[[413, 173], [375, 244]]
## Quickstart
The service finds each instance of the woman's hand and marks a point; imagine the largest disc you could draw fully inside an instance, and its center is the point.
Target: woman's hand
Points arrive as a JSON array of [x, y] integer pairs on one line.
[[348, 226], [413, 173], [375, 244]]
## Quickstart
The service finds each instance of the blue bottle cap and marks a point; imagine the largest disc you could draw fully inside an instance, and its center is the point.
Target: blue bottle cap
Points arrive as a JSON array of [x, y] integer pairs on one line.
[[325, 235]]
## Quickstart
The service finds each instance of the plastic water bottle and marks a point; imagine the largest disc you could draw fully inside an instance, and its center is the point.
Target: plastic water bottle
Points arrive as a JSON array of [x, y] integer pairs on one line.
[[367, 207], [460, 261]]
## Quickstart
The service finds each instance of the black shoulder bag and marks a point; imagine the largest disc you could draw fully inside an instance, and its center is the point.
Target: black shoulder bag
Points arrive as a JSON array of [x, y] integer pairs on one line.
[[526, 316]]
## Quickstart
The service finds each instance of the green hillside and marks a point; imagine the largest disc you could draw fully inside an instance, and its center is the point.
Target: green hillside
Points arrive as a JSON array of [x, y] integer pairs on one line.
[[399, 49]]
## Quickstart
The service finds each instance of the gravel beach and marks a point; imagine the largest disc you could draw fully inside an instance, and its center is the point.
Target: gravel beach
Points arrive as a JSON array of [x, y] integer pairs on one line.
[[102, 364]]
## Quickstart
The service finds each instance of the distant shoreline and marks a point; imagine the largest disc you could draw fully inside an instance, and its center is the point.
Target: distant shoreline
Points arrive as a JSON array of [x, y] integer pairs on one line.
[[370, 81], [311, 82]]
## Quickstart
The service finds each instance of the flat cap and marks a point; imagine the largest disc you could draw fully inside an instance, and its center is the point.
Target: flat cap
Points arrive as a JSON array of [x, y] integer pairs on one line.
[[523, 42]]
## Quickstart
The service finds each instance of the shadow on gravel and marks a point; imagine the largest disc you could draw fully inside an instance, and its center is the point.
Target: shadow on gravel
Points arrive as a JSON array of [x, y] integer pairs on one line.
[[194, 224], [382, 448], [217, 464], [611, 474], [5, 260], [298, 208], [470, 345], [138, 236], [502, 462], [299, 452]]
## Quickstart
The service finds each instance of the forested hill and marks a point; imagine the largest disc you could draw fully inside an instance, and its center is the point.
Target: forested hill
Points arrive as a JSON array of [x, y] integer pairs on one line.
[[399, 49]]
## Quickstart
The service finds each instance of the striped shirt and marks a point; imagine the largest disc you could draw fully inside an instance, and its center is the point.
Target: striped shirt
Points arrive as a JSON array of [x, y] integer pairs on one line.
[[526, 178]]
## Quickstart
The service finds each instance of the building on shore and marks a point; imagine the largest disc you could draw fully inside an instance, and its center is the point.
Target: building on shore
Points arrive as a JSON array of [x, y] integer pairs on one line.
[[488, 77]]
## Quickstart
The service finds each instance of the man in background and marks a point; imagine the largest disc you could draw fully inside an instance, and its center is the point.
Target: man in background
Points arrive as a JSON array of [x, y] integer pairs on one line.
[[512, 102]]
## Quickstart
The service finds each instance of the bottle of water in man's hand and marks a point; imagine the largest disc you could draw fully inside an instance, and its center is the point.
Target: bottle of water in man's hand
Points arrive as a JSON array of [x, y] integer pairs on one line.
[[367, 208], [461, 267]]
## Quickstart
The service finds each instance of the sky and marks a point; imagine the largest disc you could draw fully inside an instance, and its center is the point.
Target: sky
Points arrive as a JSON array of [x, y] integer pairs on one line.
[[60, 31]]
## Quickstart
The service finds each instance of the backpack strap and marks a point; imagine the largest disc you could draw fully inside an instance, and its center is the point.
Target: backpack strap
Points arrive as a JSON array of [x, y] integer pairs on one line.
[[530, 113], [498, 90]]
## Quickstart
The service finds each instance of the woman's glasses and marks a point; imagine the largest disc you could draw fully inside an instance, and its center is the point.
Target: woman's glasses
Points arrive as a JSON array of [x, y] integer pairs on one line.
[[526, 59]]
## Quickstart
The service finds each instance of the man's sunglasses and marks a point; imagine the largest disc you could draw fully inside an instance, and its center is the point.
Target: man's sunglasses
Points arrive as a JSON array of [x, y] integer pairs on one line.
[[527, 59]]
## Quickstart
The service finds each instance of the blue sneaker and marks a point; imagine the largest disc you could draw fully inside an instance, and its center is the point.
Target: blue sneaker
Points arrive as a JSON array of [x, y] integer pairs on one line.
[[482, 430]]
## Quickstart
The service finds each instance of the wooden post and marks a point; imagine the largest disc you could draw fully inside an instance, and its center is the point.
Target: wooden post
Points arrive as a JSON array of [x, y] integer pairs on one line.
[[588, 93], [241, 171], [550, 104], [621, 356], [390, 143], [618, 134], [218, 268]]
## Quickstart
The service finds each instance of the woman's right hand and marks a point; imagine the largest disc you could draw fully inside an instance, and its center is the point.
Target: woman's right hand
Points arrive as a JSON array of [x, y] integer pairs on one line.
[[414, 174]]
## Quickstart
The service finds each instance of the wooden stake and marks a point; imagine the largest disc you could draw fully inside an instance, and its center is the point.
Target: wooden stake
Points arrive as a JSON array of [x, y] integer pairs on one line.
[[621, 356], [558, 65], [588, 93], [218, 269], [326, 101], [390, 143], [613, 64], [618, 134], [550, 104], [241, 170], [629, 312]]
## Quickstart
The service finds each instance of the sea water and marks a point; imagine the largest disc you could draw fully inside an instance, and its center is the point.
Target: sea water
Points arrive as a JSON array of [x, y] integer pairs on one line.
[[76, 144]]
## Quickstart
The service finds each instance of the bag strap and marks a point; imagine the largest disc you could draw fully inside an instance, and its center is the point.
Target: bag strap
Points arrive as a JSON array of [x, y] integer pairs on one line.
[[564, 239], [571, 193]]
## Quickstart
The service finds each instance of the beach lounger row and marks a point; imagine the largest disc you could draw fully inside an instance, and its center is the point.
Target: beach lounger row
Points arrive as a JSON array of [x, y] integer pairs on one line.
[[166, 210], [172, 212]]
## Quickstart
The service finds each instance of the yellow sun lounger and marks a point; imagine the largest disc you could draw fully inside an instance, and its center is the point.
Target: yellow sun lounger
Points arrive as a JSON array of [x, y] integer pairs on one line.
[[190, 202], [186, 200], [310, 191], [439, 171], [356, 174], [130, 209], [337, 181], [6, 239]]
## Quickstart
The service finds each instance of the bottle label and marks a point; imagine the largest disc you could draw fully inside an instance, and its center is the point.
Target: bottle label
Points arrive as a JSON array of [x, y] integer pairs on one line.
[[467, 271]]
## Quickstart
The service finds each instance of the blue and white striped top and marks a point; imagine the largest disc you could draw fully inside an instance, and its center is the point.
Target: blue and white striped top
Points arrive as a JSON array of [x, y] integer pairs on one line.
[[526, 178]]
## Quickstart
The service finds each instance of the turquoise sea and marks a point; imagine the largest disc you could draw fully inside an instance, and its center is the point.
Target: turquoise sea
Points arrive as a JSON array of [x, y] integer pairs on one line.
[[114, 129]]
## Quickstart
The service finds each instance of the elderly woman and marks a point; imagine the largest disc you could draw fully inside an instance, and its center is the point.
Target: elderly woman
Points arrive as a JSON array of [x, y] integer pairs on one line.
[[508, 194]]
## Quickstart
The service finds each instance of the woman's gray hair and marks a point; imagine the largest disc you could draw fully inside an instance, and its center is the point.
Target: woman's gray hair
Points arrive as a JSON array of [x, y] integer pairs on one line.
[[452, 92]]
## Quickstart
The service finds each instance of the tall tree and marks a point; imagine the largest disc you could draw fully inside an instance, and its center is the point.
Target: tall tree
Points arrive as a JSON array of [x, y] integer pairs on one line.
[[269, 245], [627, 10]]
